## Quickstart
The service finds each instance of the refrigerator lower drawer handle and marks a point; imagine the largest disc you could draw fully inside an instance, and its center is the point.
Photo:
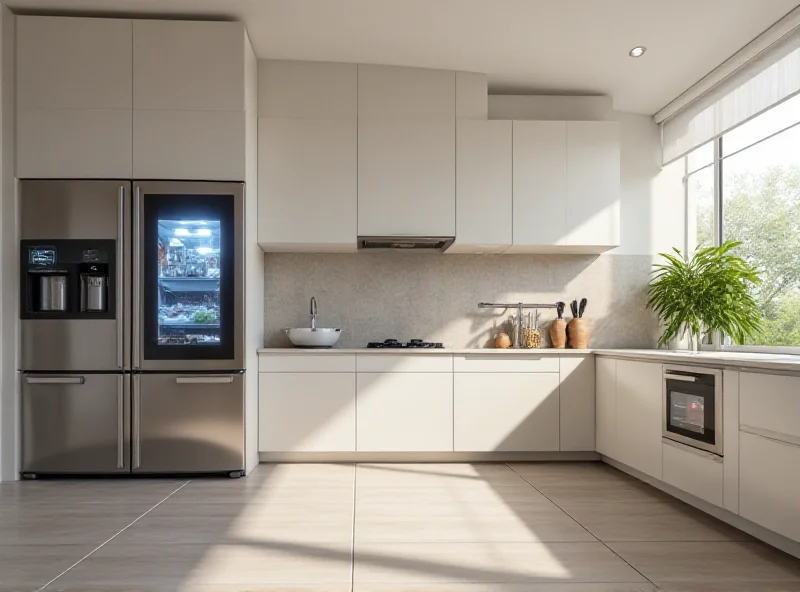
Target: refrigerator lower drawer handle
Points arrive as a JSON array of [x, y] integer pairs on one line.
[[205, 380], [55, 379]]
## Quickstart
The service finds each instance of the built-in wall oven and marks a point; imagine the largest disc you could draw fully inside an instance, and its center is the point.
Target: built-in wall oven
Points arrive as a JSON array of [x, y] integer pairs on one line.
[[692, 407]]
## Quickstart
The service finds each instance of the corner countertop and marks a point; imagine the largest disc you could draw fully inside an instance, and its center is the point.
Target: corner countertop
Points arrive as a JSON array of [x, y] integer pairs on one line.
[[733, 360]]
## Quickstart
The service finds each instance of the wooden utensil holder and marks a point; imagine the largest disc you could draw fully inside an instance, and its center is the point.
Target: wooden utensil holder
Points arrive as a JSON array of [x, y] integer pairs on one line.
[[579, 333], [558, 334]]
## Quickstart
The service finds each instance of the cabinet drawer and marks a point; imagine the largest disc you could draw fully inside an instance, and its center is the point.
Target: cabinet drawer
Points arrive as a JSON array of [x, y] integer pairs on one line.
[[512, 363], [404, 363], [770, 402], [307, 363], [695, 472]]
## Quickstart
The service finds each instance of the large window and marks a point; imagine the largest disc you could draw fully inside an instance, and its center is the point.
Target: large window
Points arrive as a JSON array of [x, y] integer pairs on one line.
[[750, 192]]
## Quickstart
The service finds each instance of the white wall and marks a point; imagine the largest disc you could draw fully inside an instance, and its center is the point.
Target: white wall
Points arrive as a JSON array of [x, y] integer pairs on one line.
[[652, 204], [9, 259]]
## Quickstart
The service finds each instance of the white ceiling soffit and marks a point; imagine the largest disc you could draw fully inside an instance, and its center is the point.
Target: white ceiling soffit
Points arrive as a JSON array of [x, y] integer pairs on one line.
[[525, 46]]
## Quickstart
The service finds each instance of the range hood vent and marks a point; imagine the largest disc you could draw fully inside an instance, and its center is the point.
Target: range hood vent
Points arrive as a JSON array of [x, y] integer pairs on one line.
[[437, 244]]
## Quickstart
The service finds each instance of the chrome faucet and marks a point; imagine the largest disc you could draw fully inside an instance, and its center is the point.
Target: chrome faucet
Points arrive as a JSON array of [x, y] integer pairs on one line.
[[313, 313]]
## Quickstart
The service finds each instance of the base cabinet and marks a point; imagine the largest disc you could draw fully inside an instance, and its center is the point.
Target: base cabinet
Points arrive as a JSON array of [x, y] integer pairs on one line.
[[404, 412], [693, 471], [307, 412], [506, 412], [606, 406], [769, 484], [638, 405]]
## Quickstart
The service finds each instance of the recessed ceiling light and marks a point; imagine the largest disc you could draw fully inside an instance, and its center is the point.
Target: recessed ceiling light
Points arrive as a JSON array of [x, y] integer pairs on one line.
[[637, 51]]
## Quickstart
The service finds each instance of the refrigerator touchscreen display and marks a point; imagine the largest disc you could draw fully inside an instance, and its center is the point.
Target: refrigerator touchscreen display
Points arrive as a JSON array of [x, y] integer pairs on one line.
[[189, 274]]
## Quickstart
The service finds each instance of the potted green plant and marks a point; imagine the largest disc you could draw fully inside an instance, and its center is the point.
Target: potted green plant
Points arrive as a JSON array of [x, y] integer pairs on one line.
[[710, 291]]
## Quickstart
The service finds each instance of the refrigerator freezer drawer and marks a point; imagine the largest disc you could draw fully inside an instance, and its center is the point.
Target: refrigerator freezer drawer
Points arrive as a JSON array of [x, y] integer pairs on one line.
[[188, 423], [75, 423]]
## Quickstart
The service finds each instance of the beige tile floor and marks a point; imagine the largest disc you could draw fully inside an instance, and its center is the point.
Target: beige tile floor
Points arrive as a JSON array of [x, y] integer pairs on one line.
[[579, 527]]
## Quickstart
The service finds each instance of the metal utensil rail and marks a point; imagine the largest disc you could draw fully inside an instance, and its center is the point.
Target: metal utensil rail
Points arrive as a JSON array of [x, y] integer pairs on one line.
[[519, 306]]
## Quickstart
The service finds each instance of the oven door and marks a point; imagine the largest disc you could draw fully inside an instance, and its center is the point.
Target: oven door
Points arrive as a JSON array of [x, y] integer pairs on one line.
[[692, 412]]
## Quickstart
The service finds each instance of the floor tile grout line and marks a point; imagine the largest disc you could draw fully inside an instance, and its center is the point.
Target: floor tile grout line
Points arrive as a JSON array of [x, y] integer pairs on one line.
[[353, 530], [104, 543], [583, 527]]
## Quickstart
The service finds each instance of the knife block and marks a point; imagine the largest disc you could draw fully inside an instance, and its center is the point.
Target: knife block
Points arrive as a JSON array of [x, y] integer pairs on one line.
[[558, 334], [579, 333]]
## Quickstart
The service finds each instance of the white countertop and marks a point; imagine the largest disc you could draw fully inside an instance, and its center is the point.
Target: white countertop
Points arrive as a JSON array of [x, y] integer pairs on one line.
[[742, 360], [429, 351]]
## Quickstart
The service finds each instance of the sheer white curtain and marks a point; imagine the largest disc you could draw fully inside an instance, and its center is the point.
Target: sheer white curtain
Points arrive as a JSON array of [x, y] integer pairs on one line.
[[762, 82]]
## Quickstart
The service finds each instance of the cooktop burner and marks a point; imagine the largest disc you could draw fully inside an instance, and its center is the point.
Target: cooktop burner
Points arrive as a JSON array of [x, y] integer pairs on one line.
[[394, 344]]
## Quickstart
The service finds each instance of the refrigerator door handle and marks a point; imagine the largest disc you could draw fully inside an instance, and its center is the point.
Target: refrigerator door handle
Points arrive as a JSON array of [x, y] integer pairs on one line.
[[137, 420], [55, 379], [120, 276], [137, 280], [120, 422], [204, 380]]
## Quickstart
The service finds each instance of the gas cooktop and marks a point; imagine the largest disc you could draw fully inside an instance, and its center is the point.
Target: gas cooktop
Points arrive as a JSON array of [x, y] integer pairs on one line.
[[414, 343]]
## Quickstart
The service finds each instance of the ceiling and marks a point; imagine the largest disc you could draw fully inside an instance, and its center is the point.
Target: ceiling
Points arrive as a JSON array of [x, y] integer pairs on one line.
[[526, 46]]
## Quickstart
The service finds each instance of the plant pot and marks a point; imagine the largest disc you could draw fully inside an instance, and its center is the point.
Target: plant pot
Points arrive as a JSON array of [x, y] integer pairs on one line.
[[558, 334], [579, 333]]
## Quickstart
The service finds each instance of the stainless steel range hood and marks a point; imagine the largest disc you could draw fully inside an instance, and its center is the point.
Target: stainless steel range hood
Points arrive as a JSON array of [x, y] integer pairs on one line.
[[437, 244]]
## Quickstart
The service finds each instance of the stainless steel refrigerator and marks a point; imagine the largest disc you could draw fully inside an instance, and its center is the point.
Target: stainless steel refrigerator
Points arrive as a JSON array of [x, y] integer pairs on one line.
[[132, 300]]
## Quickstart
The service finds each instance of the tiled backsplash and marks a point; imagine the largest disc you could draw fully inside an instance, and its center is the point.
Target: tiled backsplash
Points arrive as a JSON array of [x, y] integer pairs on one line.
[[435, 297]]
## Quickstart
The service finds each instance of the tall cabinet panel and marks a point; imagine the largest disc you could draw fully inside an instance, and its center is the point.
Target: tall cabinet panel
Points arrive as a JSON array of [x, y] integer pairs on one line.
[[483, 186], [73, 97], [188, 100], [639, 399], [406, 151], [307, 156], [593, 184], [540, 186]]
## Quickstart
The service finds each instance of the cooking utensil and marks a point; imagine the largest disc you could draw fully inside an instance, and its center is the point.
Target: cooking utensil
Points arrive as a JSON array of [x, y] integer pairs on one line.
[[574, 308], [582, 308], [560, 308]]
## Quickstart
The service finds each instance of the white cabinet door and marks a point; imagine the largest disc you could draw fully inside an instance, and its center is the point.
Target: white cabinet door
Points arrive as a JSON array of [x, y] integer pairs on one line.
[[577, 403], [202, 145], [307, 412], [771, 404], [73, 97], [483, 187], [307, 90], [606, 406], [769, 484], [73, 63], [74, 143], [406, 177], [639, 397], [505, 412], [693, 471], [593, 191], [188, 66], [394, 92], [540, 185], [308, 183], [404, 412]]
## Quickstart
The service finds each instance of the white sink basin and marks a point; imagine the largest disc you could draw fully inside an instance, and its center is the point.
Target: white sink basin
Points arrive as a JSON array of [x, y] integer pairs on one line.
[[306, 337]]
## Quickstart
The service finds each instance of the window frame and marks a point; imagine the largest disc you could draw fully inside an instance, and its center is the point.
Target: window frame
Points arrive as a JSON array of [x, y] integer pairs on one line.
[[718, 163]]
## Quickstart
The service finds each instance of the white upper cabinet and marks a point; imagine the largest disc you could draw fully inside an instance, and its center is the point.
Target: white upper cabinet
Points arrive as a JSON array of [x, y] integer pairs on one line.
[[593, 184], [189, 100], [392, 92], [73, 97], [188, 65], [307, 90], [540, 186], [406, 177], [307, 156], [406, 151], [472, 96], [483, 186], [73, 63]]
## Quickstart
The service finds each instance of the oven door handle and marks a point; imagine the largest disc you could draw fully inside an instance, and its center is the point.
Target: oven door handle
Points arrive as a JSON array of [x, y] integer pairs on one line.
[[680, 377]]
